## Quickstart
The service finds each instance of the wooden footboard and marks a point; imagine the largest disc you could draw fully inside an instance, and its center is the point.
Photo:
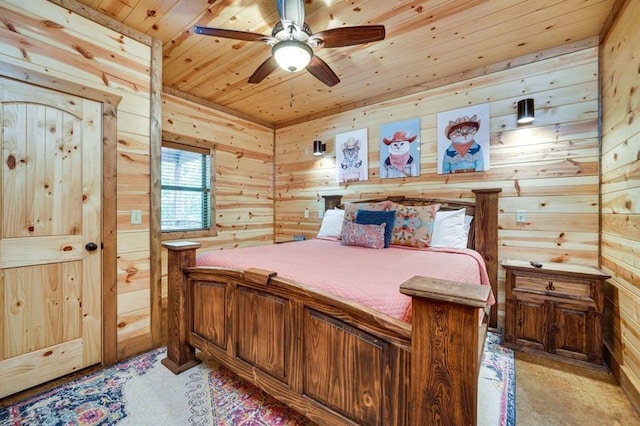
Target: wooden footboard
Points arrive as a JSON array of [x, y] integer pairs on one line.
[[332, 360]]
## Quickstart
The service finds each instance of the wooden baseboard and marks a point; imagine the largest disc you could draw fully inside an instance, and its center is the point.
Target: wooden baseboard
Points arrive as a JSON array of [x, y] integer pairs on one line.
[[611, 362], [632, 394], [630, 391]]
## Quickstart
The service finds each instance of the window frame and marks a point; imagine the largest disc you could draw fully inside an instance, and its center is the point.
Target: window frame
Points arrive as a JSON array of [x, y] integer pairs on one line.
[[199, 233]]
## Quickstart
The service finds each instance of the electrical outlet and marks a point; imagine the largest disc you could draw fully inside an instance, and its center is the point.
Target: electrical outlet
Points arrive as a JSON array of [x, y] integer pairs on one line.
[[306, 213], [136, 217], [521, 216], [320, 214]]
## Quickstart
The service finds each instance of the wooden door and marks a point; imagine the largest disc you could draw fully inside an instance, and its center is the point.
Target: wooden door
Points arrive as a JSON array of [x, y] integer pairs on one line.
[[573, 330], [531, 313], [50, 200]]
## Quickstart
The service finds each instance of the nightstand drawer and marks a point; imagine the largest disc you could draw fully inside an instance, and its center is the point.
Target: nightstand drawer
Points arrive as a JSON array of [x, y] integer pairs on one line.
[[554, 286]]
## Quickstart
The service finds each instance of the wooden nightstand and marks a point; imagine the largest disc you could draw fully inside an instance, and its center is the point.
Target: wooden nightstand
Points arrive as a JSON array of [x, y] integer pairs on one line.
[[555, 310]]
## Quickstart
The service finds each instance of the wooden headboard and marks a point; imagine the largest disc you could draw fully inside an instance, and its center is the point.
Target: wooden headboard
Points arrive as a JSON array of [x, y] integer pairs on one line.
[[483, 234]]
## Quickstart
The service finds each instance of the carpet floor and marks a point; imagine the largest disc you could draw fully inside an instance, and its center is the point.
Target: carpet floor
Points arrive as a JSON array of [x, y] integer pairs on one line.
[[140, 391]]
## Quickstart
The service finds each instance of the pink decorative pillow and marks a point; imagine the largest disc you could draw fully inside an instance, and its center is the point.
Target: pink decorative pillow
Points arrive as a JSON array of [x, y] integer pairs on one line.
[[369, 236], [413, 226]]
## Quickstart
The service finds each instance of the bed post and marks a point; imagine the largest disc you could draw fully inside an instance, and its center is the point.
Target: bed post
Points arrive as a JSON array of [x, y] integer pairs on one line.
[[180, 355], [445, 358], [486, 239]]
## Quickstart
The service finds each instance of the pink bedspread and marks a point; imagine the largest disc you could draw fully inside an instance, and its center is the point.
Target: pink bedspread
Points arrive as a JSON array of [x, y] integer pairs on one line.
[[368, 276]]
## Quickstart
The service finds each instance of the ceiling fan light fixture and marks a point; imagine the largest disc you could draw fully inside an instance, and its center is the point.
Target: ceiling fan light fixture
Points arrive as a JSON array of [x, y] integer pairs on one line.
[[292, 55]]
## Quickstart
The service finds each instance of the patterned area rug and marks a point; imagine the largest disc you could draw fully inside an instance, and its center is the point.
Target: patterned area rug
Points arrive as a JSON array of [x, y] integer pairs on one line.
[[497, 384], [140, 391]]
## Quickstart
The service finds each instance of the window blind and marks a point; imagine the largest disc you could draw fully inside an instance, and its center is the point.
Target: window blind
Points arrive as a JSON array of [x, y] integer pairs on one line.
[[185, 190]]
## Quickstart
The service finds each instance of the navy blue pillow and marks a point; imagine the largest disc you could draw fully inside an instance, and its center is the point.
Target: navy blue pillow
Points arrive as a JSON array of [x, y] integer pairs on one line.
[[375, 217]]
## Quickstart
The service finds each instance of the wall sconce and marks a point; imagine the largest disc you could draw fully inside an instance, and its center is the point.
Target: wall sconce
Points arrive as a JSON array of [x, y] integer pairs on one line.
[[319, 148], [526, 111]]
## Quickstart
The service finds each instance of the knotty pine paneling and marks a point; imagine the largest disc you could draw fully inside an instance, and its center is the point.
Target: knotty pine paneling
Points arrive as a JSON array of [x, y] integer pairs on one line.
[[42, 36], [243, 167], [549, 168], [620, 180], [482, 34], [620, 195]]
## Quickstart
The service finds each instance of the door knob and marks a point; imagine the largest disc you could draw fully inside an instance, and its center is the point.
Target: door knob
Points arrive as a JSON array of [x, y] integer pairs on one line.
[[91, 246]]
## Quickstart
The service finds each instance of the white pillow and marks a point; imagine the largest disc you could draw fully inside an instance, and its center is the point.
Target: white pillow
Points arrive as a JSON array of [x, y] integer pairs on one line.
[[449, 229], [467, 225], [332, 223]]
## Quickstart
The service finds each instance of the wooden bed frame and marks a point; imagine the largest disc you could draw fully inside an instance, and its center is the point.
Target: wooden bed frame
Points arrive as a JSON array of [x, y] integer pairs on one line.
[[330, 359]]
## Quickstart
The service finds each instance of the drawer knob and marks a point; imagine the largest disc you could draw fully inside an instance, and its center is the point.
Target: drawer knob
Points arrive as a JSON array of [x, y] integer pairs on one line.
[[550, 286]]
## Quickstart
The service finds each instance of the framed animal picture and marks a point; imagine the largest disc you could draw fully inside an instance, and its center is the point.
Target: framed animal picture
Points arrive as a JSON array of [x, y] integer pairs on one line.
[[352, 156], [463, 140], [400, 149]]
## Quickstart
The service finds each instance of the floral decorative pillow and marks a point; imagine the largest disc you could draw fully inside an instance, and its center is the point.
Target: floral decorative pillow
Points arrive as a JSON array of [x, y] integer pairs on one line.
[[413, 226], [369, 236]]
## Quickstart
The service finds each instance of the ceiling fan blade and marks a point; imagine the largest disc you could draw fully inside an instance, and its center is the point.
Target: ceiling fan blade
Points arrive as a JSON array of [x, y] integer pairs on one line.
[[348, 36], [236, 35], [320, 70], [263, 71]]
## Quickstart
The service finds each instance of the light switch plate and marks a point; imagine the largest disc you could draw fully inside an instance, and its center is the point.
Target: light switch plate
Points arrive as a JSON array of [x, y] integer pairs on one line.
[[136, 217], [521, 216]]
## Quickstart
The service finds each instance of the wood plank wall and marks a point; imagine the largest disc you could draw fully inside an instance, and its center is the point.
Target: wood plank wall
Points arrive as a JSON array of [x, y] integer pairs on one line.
[[620, 65], [243, 167], [549, 168], [42, 36]]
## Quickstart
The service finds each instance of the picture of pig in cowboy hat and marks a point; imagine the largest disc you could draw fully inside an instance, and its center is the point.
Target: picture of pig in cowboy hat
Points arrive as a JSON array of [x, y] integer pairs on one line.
[[399, 161], [464, 154]]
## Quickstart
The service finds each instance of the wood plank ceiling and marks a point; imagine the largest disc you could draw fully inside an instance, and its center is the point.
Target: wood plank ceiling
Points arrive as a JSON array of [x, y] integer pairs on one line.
[[428, 42]]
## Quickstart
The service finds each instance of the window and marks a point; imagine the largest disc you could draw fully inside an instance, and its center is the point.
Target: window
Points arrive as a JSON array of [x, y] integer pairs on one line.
[[185, 176]]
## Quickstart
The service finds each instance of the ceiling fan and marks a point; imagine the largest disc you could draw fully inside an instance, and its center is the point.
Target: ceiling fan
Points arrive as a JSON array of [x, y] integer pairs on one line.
[[293, 42]]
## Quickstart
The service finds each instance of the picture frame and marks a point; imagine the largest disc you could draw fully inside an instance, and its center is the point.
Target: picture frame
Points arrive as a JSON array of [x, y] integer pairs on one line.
[[352, 151], [463, 139], [400, 149]]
